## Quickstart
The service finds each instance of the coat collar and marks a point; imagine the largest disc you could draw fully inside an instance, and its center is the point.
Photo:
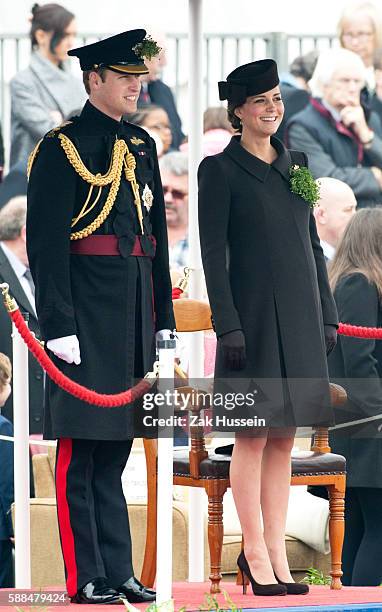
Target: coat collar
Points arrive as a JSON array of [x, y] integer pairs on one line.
[[62, 87], [100, 122], [255, 166]]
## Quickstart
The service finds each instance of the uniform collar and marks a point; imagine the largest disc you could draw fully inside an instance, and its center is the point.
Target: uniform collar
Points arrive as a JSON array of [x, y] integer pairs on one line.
[[101, 122], [257, 167]]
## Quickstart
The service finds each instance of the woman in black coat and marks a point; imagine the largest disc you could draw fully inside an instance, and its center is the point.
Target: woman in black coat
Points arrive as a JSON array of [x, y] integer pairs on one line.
[[356, 276], [273, 311]]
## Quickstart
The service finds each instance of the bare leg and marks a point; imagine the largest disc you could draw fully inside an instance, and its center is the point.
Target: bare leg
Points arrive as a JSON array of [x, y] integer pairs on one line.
[[275, 486], [245, 475]]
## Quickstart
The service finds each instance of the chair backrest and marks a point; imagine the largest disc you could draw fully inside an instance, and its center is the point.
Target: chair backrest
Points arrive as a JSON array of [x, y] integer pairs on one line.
[[192, 315]]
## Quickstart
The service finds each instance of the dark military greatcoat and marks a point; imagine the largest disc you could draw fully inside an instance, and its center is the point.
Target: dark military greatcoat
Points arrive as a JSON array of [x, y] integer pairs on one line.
[[266, 274], [113, 303]]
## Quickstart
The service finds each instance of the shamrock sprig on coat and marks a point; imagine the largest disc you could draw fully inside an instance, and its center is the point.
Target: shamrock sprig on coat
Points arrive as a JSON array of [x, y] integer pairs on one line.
[[302, 183]]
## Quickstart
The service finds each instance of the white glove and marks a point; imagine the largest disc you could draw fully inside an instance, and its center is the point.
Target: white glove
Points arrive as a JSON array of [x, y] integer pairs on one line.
[[66, 348]]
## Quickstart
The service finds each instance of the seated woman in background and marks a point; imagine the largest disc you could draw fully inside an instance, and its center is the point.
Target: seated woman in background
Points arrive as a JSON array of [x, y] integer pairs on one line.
[[217, 131], [360, 30], [155, 121], [356, 278], [45, 94]]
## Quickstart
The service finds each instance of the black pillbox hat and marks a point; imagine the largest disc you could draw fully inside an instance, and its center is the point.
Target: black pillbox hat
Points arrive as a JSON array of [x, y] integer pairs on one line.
[[249, 80], [115, 52]]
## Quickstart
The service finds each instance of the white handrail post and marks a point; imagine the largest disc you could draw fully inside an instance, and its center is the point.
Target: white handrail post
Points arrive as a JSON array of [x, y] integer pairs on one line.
[[165, 477], [21, 461], [197, 498]]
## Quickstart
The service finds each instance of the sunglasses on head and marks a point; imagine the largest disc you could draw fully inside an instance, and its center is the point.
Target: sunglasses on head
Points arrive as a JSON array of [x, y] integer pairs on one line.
[[176, 193]]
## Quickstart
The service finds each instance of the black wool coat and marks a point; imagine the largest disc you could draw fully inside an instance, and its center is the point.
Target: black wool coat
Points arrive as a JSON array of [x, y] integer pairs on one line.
[[114, 304], [36, 375], [266, 274], [357, 365]]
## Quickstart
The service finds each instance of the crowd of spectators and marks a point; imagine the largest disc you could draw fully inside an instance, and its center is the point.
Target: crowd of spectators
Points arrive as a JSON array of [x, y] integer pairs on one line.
[[333, 112]]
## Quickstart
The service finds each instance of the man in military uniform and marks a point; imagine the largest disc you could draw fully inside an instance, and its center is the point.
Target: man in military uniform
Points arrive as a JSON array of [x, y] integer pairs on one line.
[[97, 246]]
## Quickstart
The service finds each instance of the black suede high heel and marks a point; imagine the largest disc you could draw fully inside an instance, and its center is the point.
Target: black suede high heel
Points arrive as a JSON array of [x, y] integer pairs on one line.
[[257, 589], [294, 588]]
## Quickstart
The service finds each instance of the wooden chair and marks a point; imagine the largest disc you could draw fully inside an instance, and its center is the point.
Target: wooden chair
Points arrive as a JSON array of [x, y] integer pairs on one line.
[[198, 468]]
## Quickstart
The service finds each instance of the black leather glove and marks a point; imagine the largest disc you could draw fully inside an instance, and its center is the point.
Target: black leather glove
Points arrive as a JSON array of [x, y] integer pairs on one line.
[[330, 337], [233, 348]]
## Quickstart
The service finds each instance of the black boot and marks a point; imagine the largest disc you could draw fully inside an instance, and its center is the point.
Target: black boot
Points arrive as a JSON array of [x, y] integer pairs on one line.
[[97, 591], [135, 592]]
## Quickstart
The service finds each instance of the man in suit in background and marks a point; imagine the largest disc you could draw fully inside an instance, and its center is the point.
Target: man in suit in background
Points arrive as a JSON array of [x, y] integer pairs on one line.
[[294, 87], [336, 206], [155, 91], [15, 183], [14, 270]]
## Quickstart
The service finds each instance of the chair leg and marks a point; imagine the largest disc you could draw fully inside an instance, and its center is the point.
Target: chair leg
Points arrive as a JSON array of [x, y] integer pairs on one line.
[[149, 567], [336, 529], [215, 490]]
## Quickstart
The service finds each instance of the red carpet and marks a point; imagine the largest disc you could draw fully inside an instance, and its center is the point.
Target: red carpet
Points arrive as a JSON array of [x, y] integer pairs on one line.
[[192, 596]]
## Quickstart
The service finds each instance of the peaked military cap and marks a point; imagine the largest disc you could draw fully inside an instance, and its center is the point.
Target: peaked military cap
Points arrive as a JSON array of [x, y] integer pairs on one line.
[[249, 80], [116, 53]]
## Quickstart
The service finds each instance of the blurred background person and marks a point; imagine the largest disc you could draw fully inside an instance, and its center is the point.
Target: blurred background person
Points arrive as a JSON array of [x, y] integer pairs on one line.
[[217, 131], [45, 94], [155, 91], [294, 87], [360, 30], [6, 480], [174, 174], [335, 208], [15, 183], [341, 141], [356, 278], [14, 270], [155, 121], [1, 154], [376, 100]]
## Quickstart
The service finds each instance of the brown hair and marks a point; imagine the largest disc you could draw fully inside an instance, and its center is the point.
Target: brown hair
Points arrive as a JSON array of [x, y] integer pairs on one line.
[[5, 371], [215, 118], [232, 118], [50, 18], [86, 74], [360, 249], [140, 115]]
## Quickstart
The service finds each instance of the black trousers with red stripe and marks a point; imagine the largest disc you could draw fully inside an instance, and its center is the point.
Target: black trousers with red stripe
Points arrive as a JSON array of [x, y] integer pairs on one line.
[[92, 512]]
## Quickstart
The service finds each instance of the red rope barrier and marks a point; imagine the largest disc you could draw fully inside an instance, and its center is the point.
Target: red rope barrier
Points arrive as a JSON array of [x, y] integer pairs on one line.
[[126, 397], [357, 331], [79, 391], [176, 293]]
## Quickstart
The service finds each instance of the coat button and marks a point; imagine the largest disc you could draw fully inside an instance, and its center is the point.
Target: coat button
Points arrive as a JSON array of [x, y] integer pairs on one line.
[[38, 376], [37, 419]]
